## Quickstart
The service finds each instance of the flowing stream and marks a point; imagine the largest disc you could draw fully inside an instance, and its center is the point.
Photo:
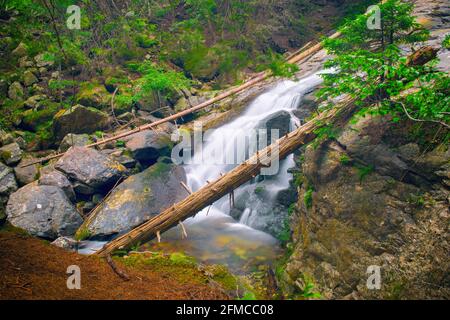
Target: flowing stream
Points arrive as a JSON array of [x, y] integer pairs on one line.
[[243, 237], [214, 236]]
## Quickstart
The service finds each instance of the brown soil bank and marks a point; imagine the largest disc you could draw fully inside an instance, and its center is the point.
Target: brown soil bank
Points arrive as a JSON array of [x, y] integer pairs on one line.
[[33, 269]]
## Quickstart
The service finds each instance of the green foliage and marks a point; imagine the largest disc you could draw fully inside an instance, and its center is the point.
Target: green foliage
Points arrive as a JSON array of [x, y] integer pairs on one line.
[[248, 295], [308, 291], [307, 198], [369, 64], [285, 234], [155, 78], [344, 159], [364, 171], [446, 42]]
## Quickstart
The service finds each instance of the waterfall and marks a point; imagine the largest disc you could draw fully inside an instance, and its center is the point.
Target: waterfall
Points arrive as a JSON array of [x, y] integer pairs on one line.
[[284, 97]]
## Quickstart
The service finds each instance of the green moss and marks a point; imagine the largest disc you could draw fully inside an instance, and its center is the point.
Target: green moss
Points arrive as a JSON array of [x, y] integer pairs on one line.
[[82, 234], [307, 198], [344, 159]]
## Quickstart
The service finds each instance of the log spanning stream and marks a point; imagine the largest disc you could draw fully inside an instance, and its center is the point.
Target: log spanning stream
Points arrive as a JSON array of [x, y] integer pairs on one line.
[[242, 236]]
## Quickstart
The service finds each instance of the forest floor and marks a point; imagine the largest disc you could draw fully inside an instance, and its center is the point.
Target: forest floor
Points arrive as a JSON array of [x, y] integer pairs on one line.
[[33, 269]]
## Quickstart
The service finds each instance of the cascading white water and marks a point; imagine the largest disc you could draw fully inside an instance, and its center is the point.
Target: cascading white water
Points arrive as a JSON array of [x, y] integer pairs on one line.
[[285, 96], [213, 235]]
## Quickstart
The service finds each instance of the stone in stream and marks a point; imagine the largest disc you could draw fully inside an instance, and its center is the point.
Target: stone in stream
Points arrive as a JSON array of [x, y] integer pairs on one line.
[[90, 167], [147, 146], [137, 199], [43, 211]]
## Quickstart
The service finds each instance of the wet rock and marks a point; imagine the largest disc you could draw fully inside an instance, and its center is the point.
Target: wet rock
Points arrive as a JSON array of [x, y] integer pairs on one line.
[[79, 119], [66, 243], [15, 91], [278, 121], [43, 211], [137, 199], [57, 179], [28, 174], [29, 78], [147, 146], [77, 140], [11, 153], [90, 167]]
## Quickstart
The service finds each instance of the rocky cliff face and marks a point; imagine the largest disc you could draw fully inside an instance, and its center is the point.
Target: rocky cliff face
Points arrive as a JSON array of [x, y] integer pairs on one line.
[[376, 195]]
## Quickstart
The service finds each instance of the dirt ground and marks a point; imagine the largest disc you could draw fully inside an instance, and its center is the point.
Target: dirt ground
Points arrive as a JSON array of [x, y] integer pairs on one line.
[[34, 269]]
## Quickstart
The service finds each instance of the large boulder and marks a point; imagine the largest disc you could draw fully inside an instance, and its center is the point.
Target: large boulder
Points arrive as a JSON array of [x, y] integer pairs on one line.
[[137, 199], [11, 153], [147, 146], [43, 211], [57, 179], [79, 119], [90, 167]]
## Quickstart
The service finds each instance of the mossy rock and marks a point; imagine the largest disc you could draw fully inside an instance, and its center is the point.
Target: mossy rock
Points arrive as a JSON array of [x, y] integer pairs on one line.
[[93, 94], [79, 119], [33, 119]]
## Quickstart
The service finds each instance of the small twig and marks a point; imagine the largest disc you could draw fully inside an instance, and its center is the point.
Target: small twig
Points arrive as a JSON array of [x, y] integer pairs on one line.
[[119, 272], [184, 233], [421, 120], [186, 187]]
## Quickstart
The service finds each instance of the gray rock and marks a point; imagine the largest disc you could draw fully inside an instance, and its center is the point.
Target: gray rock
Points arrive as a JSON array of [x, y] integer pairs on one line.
[[28, 174], [147, 146], [66, 243], [15, 91], [29, 78], [20, 51], [43, 211], [11, 153], [7, 181], [34, 101], [79, 119], [41, 61], [90, 167], [57, 179], [138, 198], [5, 138], [77, 140]]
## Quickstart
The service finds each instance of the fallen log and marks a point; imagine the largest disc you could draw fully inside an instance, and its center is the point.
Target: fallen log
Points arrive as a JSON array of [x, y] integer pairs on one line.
[[257, 79], [226, 183]]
